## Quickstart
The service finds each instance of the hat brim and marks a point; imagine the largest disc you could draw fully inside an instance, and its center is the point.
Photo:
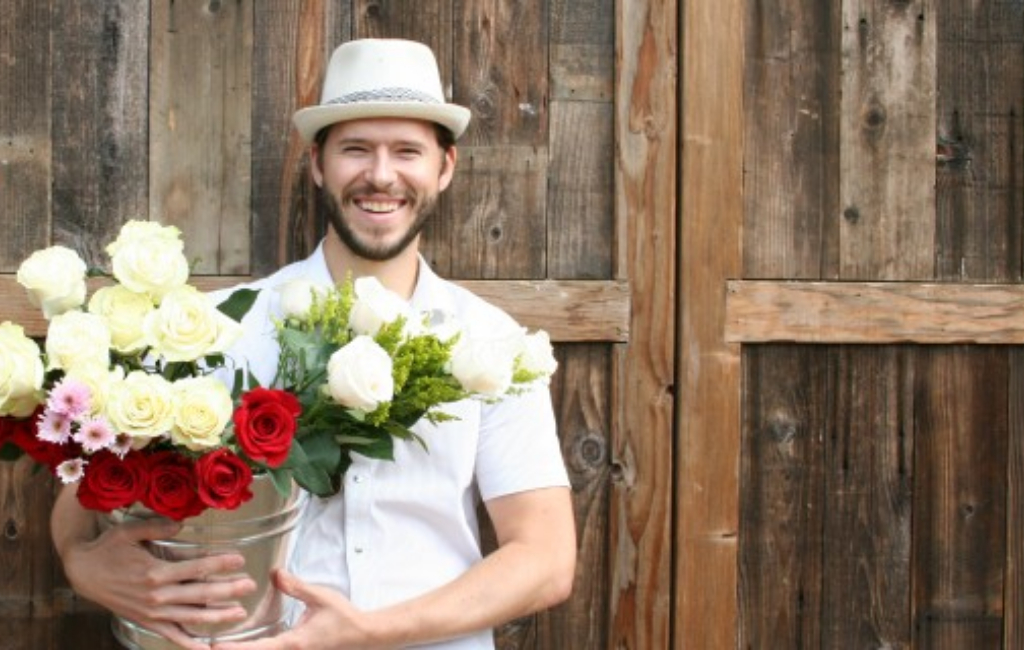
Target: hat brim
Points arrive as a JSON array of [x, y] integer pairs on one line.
[[308, 121]]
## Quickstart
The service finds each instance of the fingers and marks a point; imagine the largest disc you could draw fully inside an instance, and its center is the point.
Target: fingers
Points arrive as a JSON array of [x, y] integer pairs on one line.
[[224, 566]]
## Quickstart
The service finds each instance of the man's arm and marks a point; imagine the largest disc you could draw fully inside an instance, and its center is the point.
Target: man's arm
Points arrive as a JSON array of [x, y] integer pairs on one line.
[[532, 569], [113, 569]]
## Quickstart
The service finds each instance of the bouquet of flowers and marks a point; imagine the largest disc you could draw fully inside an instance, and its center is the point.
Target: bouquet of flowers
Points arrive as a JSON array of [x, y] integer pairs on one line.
[[128, 398]]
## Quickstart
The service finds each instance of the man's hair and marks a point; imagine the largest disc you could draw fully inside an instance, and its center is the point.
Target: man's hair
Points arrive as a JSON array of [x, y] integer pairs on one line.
[[444, 135]]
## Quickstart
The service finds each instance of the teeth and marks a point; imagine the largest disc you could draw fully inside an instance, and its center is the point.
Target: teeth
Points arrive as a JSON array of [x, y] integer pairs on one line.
[[379, 206]]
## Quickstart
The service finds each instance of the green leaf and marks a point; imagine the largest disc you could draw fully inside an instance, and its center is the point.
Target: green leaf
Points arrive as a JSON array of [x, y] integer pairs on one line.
[[10, 451], [282, 480], [238, 303]]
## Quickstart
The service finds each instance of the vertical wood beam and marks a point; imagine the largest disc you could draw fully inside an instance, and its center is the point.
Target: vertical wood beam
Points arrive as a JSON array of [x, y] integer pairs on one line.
[[709, 380], [642, 374]]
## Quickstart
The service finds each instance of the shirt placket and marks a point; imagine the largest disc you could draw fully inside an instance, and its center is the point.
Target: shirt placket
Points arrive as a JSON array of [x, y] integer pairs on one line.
[[358, 497]]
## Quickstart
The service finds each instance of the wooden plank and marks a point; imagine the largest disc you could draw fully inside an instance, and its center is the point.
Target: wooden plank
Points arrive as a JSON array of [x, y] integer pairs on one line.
[[294, 42], [25, 160], [27, 561], [873, 312], [580, 201], [100, 144], [1013, 607], [708, 384], [791, 140], [498, 195], [580, 184], [200, 125], [580, 391], [640, 521], [501, 191], [786, 410], [570, 310], [887, 187], [960, 433], [979, 152], [869, 488], [582, 50]]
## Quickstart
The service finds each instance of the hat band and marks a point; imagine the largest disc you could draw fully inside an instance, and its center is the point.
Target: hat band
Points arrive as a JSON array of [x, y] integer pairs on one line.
[[393, 95]]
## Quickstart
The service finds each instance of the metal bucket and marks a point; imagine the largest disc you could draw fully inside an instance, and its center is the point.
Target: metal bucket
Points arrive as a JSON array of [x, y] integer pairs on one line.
[[261, 530]]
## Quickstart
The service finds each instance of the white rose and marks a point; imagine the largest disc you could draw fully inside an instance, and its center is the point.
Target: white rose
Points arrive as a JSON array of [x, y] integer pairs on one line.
[[124, 312], [21, 372], [76, 339], [375, 306], [188, 326], [359, 375], [538, 357], [484, 357], [297, 297], [141, 406], [148, 258], [202, 410], [55, 280]]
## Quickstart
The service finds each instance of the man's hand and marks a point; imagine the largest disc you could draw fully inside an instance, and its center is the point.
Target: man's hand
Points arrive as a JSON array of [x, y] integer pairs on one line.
[[330, 622], [116, 571]]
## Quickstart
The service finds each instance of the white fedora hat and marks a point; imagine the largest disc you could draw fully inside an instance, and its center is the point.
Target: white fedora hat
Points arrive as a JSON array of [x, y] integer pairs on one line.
[[381, 78]]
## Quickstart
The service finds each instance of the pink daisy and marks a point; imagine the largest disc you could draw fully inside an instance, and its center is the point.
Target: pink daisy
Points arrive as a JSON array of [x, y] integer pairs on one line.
[[71, 471], [54, 427], [95, 434], [70, 397], [121, 444]]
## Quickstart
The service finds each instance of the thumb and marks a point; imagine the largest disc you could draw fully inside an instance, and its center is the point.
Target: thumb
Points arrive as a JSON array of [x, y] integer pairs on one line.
[[312, 595]]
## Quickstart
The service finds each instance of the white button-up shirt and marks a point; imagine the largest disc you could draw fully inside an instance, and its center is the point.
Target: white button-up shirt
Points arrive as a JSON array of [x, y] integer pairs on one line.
[[399, 529]]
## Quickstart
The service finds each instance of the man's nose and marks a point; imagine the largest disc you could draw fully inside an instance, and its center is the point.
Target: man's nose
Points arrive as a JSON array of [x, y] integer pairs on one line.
[[381, 172]]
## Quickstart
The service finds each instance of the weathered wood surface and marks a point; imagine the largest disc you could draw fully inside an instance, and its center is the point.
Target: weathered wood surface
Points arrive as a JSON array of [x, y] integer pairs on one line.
[[710, 251], [640, 520], [979, 152], [570, 310], [887, 140], [874, 312], [200, 127], [181, 112]]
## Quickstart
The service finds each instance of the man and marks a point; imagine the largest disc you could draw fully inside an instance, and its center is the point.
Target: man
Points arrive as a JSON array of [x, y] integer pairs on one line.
[[393, 560]]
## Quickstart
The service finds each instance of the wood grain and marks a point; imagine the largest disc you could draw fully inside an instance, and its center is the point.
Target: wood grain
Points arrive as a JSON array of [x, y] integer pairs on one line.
[[874, 312], [570, 310], [887, 132], [707, 414], [643, 399], [200, 128], [960, 516]]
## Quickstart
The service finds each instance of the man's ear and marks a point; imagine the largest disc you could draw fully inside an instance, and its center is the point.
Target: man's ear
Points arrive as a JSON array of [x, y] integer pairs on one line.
[[451, 156], [314, 165]]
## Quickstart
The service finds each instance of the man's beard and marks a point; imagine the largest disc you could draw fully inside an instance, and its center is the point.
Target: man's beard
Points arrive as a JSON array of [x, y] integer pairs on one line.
[[369, 250]]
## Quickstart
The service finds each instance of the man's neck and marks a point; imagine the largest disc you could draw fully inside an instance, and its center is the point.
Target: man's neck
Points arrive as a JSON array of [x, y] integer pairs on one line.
[[398, 274]]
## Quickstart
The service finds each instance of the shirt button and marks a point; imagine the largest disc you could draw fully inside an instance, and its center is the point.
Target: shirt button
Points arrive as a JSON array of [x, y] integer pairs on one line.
[[358, 478], [359, 549]]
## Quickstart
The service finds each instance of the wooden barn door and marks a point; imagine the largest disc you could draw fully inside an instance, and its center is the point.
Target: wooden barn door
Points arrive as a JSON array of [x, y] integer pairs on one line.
[[563, 211], [850, 425]]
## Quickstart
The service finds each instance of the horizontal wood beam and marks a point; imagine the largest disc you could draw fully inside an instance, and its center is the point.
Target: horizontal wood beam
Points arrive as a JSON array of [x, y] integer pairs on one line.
[[572, 311], [760, 311]]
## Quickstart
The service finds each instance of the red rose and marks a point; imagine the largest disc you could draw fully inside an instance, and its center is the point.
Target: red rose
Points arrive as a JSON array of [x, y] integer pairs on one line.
[[111, 482], [21, 432], [172, 486], [224, 480], [265, 424]]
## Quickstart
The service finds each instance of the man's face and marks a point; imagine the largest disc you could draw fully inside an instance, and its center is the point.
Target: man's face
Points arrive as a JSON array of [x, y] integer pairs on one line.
[[381, 179]]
